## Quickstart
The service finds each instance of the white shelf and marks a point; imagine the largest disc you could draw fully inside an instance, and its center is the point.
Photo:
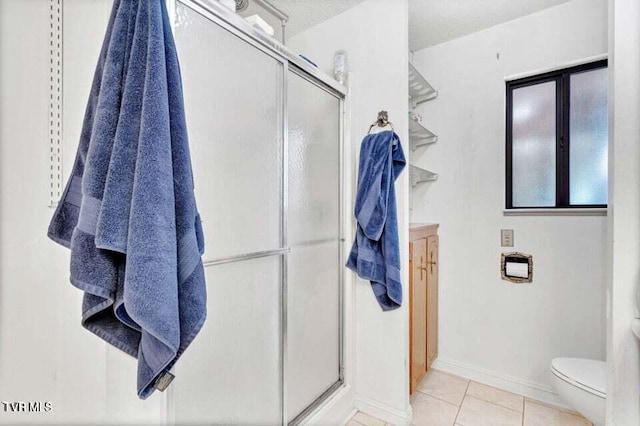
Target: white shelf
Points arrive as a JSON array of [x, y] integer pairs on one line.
[[419, 88], [420, 135], [418, 175]]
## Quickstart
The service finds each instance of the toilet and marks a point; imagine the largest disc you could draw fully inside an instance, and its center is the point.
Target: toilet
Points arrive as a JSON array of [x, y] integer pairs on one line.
[[581, 383]]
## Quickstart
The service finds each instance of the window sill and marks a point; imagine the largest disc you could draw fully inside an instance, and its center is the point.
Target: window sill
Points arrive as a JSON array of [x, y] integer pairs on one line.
[[556, 212]]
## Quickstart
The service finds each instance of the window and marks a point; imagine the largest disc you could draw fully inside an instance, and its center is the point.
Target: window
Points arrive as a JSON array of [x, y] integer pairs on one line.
[[557, 137]]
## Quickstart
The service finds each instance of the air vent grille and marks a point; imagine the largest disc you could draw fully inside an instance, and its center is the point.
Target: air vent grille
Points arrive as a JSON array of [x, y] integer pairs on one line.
[[242, 5]]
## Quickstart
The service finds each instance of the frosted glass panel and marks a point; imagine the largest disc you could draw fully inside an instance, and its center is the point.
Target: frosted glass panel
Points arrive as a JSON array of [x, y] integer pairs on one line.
[[313, 327], [588, 138], [231, 374], [313, 285], [314, 163], [233, 98], [534, 145]]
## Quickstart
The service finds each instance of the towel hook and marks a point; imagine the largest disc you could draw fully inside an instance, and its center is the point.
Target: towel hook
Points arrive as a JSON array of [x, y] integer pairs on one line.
[[382, 121]]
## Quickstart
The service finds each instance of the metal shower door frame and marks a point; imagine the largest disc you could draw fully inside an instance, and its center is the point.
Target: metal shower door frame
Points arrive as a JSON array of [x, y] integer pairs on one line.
[[217, 14]]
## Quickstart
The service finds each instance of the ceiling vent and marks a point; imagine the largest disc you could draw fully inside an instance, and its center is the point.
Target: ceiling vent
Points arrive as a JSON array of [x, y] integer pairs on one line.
[[242, 5]]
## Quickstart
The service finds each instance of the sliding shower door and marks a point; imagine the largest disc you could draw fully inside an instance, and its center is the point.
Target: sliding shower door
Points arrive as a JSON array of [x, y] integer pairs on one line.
[[265, 144], [314, 264], [231, 374]]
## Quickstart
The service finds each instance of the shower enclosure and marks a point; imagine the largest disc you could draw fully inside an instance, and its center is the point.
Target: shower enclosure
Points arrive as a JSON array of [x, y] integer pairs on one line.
[[266, 132]]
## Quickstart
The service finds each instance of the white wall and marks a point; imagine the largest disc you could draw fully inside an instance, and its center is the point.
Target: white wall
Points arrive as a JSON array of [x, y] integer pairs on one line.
[[623, 352], [375, 36], [45, 354], [491, 330]]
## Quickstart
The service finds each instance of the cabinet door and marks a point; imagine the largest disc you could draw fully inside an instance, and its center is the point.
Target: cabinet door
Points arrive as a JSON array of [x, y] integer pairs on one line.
[[432, 298], [418, 308]]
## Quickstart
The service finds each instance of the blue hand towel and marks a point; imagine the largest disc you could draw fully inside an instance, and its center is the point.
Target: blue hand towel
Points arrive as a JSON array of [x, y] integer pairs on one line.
[[375, 254], [128, 212]]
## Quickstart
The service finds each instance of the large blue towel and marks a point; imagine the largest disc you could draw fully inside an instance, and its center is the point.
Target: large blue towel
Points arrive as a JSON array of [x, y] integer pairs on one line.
[[375, 255], [128, 212]]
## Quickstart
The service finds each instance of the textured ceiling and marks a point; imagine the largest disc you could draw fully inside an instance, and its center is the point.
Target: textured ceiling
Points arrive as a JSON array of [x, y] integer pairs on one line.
[[436, 21], [304, 14], [430, 21]]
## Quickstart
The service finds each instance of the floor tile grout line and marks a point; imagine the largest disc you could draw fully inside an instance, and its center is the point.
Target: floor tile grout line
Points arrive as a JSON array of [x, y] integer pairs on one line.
[[524, 401], [363, 424], [455, 421], [352, 419], [497, 405], [440, 399], [550, 405], [555, 407]]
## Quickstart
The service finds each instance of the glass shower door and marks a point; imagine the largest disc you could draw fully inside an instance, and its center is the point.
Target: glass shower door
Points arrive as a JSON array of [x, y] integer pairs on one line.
[[269, 198], [314, 264], [232, 372]]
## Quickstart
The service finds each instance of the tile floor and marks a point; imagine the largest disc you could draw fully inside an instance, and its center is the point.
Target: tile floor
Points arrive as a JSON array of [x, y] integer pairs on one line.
[[445, 400]]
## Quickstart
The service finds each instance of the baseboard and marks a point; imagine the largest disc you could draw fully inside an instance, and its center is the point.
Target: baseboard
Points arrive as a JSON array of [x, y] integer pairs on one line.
[[505, 382], [384, 412]]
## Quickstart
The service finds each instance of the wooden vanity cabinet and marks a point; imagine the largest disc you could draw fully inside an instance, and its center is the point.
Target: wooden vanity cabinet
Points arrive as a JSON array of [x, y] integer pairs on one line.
[[423, 300]]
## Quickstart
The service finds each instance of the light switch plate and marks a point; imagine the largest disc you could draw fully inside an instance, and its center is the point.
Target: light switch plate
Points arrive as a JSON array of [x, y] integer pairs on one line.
[[506, 237]]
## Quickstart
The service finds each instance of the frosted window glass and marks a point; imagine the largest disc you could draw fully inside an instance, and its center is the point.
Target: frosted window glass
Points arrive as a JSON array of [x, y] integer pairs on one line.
[[588, 137], [233, 101], [534, 145], [314, 265], [231, 373]]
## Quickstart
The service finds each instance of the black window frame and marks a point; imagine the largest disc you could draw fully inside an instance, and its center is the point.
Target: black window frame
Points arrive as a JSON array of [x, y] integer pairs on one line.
[[563, 105]]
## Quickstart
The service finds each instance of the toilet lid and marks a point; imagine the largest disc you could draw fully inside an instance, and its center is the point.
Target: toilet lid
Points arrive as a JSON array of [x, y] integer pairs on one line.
[[587, 374]]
